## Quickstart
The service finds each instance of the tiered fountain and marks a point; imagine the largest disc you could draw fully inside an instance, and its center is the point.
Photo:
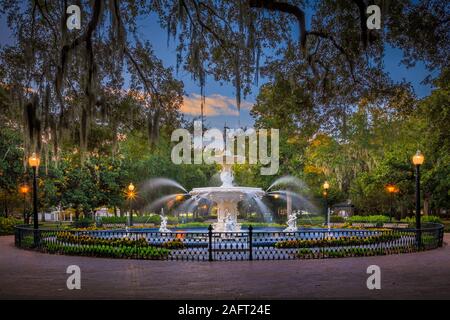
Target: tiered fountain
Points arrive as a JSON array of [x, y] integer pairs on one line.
[[227, 197]]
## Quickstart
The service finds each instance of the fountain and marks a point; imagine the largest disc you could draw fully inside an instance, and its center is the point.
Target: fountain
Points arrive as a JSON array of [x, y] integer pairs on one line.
[[227, 197]]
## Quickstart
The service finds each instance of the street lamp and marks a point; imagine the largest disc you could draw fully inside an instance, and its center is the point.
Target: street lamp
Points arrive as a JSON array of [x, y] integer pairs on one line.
[[24, 189], [418, 160], [391, 189], [34, 162], [326, 187], [131, 195]]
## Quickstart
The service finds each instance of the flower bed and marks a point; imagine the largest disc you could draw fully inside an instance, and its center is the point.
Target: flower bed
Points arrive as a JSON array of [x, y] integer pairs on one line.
[[174, 244], [337, 242], [307, 253], [108, 251], [68, 237]]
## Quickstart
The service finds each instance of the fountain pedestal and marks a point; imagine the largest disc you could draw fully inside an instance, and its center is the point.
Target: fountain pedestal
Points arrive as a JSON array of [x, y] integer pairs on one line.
[[227, 212]]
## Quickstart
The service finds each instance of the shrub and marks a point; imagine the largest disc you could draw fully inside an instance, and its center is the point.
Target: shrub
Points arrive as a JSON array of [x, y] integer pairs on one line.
[[173, 244], [7, 225], [68, 237], [337, 219], [337, 242], [245, 225], [152, 219], [83, 223], [425, 219], [193, 225], [108, 251], [375, 219]]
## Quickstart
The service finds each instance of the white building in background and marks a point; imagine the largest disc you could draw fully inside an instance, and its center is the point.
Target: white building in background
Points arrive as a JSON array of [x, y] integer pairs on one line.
[[60, 215], [54, 216], [103, 213]]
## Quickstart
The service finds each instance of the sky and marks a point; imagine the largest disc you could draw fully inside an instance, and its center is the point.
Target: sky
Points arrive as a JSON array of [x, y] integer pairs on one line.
[[220, 108]]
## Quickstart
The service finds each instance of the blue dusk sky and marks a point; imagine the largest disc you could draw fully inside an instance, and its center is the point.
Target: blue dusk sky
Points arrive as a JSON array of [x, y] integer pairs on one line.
[[220, 98]]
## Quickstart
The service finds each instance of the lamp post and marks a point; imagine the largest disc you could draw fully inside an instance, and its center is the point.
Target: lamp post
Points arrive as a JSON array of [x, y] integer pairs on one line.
[[131, 194], [24, 189], [418, 160], [34, 162], [391, 189], [326, 187]]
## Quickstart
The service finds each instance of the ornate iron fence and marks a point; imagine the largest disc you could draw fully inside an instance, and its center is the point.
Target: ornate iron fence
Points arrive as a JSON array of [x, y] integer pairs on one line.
[[220, 246]]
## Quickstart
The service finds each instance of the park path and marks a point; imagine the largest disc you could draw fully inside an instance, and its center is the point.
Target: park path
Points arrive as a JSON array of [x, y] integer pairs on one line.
[[26, 274]]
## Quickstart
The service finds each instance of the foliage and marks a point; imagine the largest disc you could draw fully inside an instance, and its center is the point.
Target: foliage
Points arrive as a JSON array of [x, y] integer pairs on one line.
[[306, 253], [376, 219], [152, 219], [7, 225], [337, 219], [69, 237], [338, 242], [380, 219], [424, 219], [105, 251], [341, 116], [83, 223], [173, 244]]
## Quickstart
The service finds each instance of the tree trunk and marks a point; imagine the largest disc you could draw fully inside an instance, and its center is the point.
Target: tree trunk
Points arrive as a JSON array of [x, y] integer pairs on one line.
[[426, 206]]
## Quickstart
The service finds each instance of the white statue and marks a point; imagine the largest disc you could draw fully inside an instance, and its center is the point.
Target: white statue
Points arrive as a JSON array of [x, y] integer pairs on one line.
[[163, 226], [226, 176], [229, 223], [292, 222]]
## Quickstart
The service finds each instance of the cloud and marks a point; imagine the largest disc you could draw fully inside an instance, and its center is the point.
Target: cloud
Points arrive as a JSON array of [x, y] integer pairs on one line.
[[215, 105]]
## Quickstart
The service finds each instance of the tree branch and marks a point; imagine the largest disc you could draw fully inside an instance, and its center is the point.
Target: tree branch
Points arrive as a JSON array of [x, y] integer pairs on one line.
[[68, 48], [284, 7], [337, 46], [362, 20]]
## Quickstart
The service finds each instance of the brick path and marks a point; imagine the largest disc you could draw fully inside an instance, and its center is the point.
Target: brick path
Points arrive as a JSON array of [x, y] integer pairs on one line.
[[25, 274]]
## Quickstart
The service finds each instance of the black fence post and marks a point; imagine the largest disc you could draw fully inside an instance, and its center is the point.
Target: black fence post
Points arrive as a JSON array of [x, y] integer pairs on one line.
[[210, 228], [250, 243], [18, 238], [441, 237]]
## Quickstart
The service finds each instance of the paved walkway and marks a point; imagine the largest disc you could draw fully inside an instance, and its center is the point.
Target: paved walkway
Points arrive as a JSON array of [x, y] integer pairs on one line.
[[25, 274]]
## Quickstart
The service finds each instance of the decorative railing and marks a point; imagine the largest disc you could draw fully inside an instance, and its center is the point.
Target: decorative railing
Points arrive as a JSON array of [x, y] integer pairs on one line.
[[219, 246]]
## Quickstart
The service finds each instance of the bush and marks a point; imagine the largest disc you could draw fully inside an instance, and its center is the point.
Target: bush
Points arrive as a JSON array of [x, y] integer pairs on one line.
[[173, 244], [68, 237], [337, 219], [83, 223], [425, 219], [106, 251], [7, 225], [337, 242], [193, 225], [153, 219], [376, 219]]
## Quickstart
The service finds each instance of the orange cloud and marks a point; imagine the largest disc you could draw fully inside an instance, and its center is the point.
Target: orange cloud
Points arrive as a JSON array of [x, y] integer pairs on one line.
[[215, 105]]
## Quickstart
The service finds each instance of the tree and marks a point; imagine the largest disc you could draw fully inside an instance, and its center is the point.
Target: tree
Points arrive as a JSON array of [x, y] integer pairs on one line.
[[11, 166]]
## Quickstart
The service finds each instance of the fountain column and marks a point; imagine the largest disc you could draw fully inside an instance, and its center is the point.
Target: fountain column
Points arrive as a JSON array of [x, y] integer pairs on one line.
[[226, 209]]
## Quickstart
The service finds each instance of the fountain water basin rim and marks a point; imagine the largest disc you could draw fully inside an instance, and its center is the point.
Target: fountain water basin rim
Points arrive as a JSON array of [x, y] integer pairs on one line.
[[227, 191]]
